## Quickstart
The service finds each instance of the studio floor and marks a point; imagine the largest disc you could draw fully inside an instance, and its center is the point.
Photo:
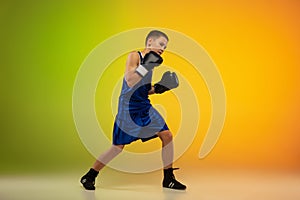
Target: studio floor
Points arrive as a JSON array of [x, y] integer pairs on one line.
[[113, 185]]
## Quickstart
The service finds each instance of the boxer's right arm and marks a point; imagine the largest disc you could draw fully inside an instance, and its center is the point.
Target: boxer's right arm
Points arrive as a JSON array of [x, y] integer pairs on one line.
[[135, 71], [131, 76]]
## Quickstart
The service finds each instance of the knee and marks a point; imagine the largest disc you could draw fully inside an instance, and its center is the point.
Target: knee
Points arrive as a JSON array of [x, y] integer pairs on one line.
[[166, 136], [121, 146], [118, 148]]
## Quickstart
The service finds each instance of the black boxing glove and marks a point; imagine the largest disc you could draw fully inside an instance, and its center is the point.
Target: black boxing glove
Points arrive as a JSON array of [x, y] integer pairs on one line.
[[150, 61], [168, 81]]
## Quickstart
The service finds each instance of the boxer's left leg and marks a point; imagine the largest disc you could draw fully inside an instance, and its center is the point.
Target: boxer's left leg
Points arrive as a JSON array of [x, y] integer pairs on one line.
[[167, 157], [167, 153]]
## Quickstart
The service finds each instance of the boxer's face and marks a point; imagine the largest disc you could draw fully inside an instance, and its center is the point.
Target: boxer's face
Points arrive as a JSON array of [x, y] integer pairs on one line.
[[157, 44]]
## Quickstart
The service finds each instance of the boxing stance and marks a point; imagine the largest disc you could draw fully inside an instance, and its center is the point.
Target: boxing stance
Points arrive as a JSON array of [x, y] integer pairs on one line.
[[136, 118]]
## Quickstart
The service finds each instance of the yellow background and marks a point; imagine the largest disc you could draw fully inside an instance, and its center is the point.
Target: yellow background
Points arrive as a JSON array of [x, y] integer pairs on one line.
[[255, 45]]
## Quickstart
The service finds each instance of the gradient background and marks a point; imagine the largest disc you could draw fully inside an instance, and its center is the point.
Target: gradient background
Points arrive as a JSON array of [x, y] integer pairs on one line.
[[255, 45]]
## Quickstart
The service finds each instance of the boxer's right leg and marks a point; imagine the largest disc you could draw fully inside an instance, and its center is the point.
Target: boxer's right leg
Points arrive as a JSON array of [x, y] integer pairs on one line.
[[107, 156], [88, 180]]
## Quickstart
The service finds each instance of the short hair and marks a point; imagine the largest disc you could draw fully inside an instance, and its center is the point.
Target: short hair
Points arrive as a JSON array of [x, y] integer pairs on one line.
[[155, 34]]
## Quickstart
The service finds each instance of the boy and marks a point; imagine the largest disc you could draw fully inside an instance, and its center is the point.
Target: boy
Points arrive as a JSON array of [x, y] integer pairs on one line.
[[136, 118]]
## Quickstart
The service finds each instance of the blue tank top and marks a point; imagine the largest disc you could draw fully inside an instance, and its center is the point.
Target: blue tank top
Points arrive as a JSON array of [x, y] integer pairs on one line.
[[135, 99]]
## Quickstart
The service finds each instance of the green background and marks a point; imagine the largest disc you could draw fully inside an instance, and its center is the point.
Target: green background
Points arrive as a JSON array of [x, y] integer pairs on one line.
[[43, 44]]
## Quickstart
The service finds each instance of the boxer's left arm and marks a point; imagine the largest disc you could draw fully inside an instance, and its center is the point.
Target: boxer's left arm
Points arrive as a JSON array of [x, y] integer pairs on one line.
[[168, 81], [151, 91]]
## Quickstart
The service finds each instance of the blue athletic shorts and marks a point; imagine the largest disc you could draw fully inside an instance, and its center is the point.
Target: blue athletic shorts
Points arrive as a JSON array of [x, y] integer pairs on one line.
[[142, 125]]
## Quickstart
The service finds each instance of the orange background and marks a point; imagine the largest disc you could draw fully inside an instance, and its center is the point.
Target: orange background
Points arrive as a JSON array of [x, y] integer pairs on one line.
[[256, 48]]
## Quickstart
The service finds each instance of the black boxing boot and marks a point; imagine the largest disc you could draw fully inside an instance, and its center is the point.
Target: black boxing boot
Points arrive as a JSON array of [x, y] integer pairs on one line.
[[170, 181], [88, 180]]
